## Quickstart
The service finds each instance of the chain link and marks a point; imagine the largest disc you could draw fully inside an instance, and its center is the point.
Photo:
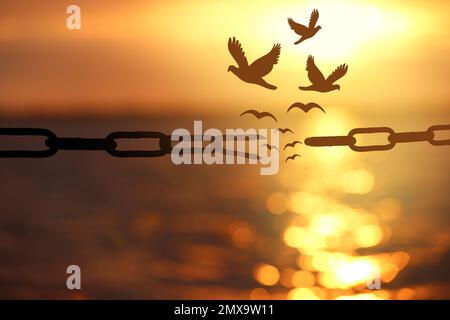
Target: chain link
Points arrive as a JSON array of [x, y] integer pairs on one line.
[[48, 152], [359, 131], [432, 130], [392, 139], [164, 142]]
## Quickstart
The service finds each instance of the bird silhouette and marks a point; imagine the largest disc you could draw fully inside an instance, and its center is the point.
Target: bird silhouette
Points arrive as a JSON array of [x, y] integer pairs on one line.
[[255, 72], [292, 157], [292, 144], [319, 83], [303, 31], [285, 130], [270, 147], [259, 115], [305, 107]]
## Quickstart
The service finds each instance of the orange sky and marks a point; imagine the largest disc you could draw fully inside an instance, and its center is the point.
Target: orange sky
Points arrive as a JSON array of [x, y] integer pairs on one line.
[[159, 56]]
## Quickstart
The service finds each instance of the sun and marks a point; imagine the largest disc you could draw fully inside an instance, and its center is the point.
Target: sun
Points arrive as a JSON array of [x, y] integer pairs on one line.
[[347, 26]]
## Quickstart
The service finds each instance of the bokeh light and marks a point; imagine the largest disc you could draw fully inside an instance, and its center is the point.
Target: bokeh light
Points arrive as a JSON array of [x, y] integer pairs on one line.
[[267, 275], [277, 203], [358, 181]]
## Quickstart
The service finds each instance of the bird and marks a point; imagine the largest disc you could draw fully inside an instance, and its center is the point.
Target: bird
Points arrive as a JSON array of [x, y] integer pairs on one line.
[[292, 144], [319, 83], [285, 130], [270, 147], [292, 157], [303, 31], [305, 107], [255, 72], [259, 115]]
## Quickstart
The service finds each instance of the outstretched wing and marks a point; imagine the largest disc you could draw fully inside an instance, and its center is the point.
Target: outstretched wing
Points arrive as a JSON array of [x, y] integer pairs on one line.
[[292, 144], [285, 130], [264, 65], [297, 105], [313, 19], [305, 107], [292, 157], [297, 27], [314, 74], [259, 115], [237, 53], [313, 105], [338, 73], [270, 147]]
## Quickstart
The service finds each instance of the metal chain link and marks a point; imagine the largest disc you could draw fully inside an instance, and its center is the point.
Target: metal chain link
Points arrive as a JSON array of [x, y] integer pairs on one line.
[[48, 152], [393, 138]]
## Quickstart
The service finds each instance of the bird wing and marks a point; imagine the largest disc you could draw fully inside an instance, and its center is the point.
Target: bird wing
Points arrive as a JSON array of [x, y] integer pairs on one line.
[[292, 144], [264, 65], [338, 73], [259, 115], [285, 130], [292, 157], [313, 19], [267, 114], [270, 147], [237, 53], [313, 105], [314, 74], [298, 105], [297, 27]]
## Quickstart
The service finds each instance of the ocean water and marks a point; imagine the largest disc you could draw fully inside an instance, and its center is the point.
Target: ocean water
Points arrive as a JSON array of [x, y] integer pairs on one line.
[[145, 228]]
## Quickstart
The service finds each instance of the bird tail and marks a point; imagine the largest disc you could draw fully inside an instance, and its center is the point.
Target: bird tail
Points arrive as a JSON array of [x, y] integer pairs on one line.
[[299, 41], [268, 85], [305, 88]]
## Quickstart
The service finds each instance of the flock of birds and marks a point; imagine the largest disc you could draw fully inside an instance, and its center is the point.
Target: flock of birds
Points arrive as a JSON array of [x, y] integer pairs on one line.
[[298, 105], [255, 72]]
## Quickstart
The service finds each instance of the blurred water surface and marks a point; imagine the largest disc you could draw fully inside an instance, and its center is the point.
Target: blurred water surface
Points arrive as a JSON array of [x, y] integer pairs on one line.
[[145, 228]]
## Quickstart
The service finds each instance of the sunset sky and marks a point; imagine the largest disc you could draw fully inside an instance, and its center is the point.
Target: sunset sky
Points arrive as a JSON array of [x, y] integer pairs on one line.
[[166, 56]]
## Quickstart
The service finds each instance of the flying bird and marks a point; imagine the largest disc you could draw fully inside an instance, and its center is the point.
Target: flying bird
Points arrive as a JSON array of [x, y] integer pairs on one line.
[[306, 32], [292, 144], [285, 130], [319, 83], [292, 157], [259, 115], [270, 147], [255, 72], [305, 107]]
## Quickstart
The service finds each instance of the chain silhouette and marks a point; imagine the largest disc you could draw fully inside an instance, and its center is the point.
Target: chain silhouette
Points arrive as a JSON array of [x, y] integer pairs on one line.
[[53, 144], [392, 139], [109, 144]]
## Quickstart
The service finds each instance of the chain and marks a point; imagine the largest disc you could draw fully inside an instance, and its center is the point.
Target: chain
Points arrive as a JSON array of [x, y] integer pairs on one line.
[[392, 139], [53, 144], [109, 144]]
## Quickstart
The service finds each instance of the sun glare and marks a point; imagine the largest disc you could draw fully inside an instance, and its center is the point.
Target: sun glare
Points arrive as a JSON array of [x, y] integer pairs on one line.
[[349, 26]]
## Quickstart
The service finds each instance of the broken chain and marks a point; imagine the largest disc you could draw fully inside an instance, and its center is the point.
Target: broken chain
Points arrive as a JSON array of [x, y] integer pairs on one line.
[[109, 144], [392, 139]]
